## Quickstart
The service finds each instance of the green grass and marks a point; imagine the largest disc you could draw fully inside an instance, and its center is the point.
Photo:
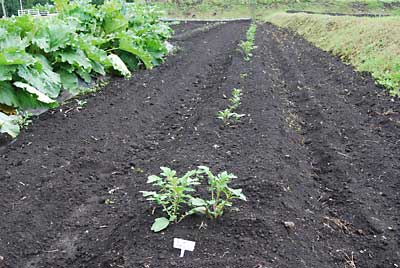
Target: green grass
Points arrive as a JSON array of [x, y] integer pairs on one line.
[[369, 44], [260, 9]]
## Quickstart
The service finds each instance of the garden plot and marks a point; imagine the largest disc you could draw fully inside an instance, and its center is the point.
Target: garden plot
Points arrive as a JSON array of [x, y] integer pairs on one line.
[[316, 155]]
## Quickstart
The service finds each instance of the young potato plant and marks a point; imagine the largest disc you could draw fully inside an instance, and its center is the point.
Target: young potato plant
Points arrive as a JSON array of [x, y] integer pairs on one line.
[[222, 195], [176, 195], [229, 115], [235, 100], [248, 46], [173, 194]]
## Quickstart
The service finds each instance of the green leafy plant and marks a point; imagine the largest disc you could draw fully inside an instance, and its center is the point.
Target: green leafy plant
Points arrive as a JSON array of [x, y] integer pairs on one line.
[[222, 195], [235, 100], [173, 194], [177, 195], [229, 115], [247, 46], [10, 124], [41, 58]]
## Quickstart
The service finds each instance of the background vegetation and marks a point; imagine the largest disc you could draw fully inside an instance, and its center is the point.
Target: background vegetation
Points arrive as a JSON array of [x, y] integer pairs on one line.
[[43, 60], [263, 8], [369, 44]]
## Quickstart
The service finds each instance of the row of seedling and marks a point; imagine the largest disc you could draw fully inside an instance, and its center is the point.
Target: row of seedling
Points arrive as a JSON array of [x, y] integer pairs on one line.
[[229, 115], [178, 195], [248, 46]]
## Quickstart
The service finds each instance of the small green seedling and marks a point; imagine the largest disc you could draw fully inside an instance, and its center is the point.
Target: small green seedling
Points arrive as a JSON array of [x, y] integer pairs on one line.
[[235, 100], [227, 116], [224, 115], [236, 117], [173, 194], [25, 118], [81, 104], [248, 46], [108, 201]]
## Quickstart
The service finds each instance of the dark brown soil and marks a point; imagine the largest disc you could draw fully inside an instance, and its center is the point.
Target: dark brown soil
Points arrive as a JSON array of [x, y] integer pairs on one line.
[[319, 148]]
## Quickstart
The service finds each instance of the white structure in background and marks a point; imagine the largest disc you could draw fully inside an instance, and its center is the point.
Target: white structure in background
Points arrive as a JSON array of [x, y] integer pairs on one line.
[[35, 12], [3, 8]]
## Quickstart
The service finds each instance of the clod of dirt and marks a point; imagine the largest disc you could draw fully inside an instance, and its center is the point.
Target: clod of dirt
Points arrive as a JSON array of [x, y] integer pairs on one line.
[[377, 225], [289, 224]]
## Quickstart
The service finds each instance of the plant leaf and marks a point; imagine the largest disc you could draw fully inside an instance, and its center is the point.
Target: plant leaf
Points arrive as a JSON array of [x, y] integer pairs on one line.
[[200, 210], [119, 65], [41, 97], [6, 72], [198, 202], [238, 193], [160, 224], [147, 193], [153, 178], [69, 81], [8, 96], [126, 44], [41, 76], [9, 124]]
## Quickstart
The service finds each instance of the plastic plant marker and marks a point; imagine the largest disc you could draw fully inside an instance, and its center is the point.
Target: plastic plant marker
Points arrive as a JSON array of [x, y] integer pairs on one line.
[[183, 245]]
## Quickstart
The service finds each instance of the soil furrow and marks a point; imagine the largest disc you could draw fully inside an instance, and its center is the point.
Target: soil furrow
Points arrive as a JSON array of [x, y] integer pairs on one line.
[[356, 165]]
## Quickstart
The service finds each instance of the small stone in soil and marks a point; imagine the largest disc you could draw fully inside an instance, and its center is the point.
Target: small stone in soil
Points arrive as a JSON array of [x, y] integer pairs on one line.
[[289, 224]]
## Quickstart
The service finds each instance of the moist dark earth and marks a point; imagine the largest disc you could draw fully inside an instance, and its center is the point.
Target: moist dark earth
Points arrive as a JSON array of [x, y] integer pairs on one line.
[[319, 147]]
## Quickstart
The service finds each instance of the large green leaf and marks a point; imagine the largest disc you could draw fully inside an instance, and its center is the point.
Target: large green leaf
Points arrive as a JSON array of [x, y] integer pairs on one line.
[[85, 75], [70, 82], [75, 57], [41, 76], [19, 98], [40, 96], [88, 45], [6, 72], [12, 51], [119, 65], [131, 62], [8, 96], [54, 36], [9, 124], [25, 24], [127, 44], [114, 21]]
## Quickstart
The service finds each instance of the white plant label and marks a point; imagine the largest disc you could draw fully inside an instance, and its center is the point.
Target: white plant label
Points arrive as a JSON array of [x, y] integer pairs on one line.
[[184, 245]]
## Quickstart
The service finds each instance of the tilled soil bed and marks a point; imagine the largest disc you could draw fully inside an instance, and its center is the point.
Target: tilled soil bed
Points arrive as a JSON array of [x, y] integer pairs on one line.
[[319, 147]]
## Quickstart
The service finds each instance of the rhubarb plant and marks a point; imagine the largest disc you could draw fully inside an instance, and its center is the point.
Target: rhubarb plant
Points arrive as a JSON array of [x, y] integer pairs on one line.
[[41, 59]]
